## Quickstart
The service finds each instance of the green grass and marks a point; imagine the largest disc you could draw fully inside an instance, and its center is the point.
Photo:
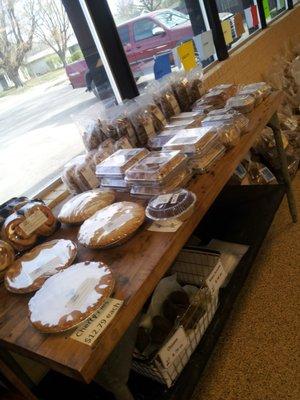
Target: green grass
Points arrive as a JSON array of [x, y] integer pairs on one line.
[[50, 76]]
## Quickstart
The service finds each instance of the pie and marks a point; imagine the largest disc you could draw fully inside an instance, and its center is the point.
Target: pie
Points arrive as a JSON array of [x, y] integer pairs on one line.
[[111, 225], [84, 205], [70, 296], [29, 272]]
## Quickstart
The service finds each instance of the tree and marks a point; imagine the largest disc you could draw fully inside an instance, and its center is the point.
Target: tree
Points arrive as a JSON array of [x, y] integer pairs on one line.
[[16, 35], [151, 5], [53, 27], [125, 10]]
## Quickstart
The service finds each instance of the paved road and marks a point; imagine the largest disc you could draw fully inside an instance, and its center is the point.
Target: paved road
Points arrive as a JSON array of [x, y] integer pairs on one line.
[[37, 134]]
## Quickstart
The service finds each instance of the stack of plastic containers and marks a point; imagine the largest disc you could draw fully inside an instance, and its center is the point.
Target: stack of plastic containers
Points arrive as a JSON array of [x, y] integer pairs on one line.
[[158, 173], [201, 146], [112, 170]]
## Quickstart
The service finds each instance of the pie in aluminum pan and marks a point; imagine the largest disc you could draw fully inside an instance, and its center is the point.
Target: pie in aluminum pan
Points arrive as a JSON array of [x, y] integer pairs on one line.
[[70, 296], [29, 272], [112, 225], [84, 205]]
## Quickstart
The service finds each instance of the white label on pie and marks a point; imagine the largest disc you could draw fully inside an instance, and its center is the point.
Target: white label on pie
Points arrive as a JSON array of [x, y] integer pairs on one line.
[[163, 199], [78, 299], [174, 346], [175, 198], [47, 267], [89, 331], [216, 278], [33, 222], [115, 223], [90, 177], [149, 128]]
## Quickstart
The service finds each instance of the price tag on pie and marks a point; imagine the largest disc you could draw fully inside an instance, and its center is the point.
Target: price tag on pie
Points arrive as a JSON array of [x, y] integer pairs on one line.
[[171, 226], [49, 266], [89, 331], [33, 222], [175, 345], [216, 278]]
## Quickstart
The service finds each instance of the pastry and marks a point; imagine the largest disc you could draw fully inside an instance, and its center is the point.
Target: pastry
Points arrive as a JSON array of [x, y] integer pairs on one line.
[[70, 296], [176, 205], [13, 233], [29, 272], [111, 225], [39, 212], [7, 255], [155, 166], [84, 205]]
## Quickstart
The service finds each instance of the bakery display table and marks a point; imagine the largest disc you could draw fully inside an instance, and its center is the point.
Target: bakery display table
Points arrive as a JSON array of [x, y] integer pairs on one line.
[[138, 265]]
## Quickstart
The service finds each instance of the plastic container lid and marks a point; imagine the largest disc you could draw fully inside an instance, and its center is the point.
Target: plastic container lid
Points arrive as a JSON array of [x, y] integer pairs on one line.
[[159, 141], [171, 205], [179, 123], [185, 115], [196, 141], [120, 161], [237, 119], [155, 166], [202, 163], [243, 103], [229, 88]]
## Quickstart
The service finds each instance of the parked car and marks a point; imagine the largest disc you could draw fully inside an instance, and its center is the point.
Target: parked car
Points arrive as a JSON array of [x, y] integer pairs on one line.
[[144, 37]]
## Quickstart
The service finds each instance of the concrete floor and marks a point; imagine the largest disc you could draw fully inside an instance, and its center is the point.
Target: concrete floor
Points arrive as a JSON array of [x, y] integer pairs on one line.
[[258, 354]]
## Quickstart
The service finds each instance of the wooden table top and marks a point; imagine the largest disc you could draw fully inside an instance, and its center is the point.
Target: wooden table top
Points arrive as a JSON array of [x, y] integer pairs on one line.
[[138, 265]]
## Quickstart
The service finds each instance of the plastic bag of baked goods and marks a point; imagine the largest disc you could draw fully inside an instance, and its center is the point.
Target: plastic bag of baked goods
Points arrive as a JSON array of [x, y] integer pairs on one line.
[[79, 175], [146, 101], [229, 135], [142, 120], [180, 87], [164, 97], [195, 84], [88, 125]]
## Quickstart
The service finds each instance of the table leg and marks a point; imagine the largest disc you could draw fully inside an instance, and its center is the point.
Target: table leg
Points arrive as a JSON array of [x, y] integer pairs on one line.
[[15, 376], [275, 125]]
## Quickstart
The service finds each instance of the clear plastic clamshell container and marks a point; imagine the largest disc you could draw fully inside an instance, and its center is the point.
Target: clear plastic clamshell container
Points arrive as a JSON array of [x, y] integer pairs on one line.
[[179, 123], [242, 103], [192, 140], [229, 88], [201, 164], [258, 90], [185, 115], [178, 204], [234, 118], [117, 164], [159, 141], [178, 180], [215, 97], [156, 166]]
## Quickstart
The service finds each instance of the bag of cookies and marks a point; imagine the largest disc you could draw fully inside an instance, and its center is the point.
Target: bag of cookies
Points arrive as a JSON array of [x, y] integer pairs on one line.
[[195, 84], [142, 120], [180, 87], [159, 120]]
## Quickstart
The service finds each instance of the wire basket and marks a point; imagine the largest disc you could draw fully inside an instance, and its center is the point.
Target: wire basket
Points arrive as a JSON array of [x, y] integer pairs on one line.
[[196, 267]]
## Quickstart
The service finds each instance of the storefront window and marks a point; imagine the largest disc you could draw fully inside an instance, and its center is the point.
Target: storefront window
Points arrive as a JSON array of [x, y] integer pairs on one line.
[[239, 19], [149, 30], [272, 8], [45, 79]]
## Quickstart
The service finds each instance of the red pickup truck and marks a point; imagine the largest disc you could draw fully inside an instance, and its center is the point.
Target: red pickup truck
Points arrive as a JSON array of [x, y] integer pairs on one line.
[[144, 37]]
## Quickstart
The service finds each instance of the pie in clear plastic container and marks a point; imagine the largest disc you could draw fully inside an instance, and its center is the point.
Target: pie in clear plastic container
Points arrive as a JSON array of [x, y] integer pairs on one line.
[[215, 97], [30, 271], [179, 123], [235, 118], [112, 225], [201, 164], [114, 183], [202, 108], [155, 166], [71, 296], [192, 141], [178, 180], [120, 161], [179, 204], [84, 205], [185, 115], [242, 103]]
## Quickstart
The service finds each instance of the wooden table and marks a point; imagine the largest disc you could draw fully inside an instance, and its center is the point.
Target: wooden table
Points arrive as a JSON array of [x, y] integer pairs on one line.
[[137, 266]]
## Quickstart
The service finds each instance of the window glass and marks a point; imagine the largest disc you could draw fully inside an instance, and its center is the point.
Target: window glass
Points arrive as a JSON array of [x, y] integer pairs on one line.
[[144, 29], [272, 8], [46, 78], [239, 19], [124, 34], [156, 29]]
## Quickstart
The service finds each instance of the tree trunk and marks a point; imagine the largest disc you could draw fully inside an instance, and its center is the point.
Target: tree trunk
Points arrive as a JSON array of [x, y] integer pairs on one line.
[[62, 55], [14, 76]]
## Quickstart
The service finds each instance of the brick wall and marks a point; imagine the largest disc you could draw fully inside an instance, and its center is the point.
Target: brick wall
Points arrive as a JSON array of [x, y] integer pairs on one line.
[[252, 60]]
